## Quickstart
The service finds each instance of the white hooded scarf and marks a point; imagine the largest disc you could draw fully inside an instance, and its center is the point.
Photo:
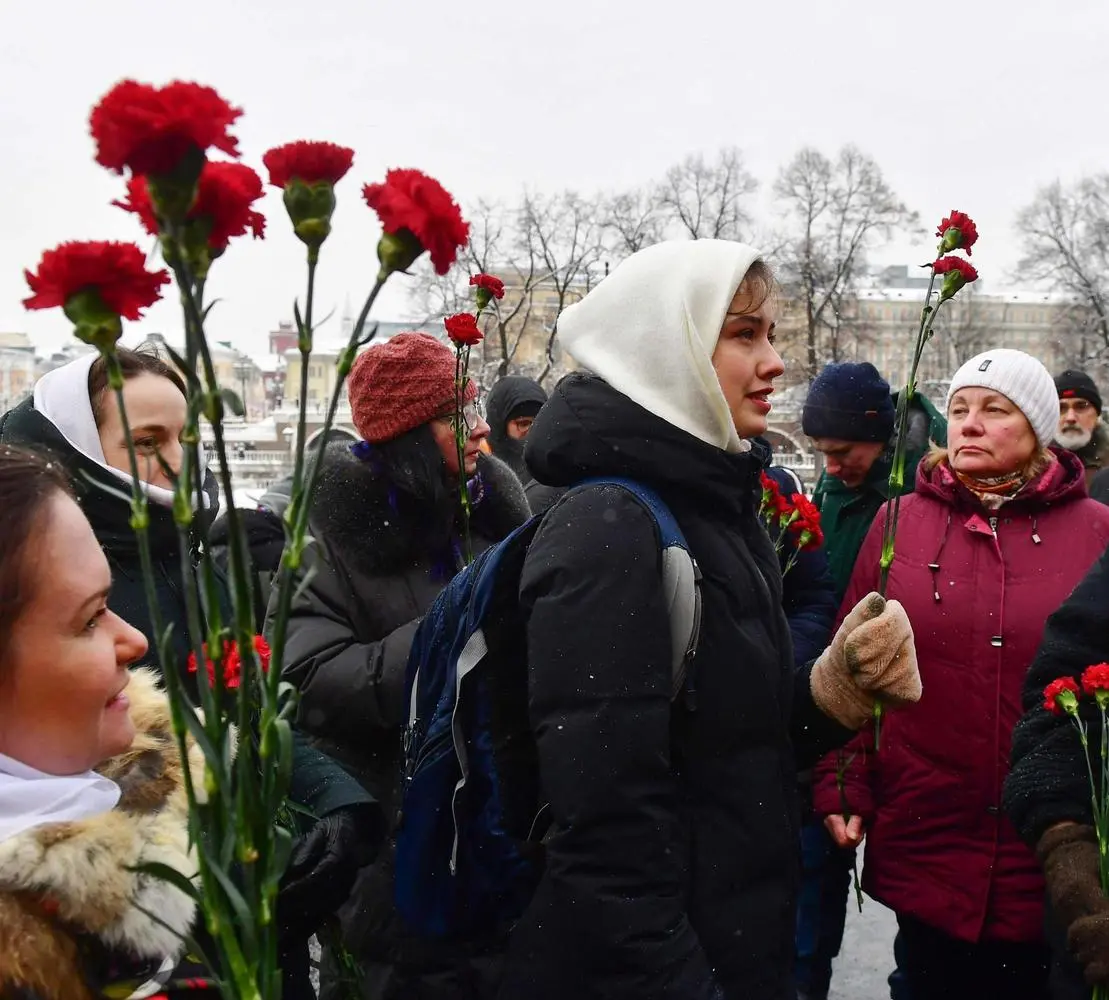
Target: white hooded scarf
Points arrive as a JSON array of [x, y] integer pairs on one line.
[[30, 798], [62, 396], [650, 330]]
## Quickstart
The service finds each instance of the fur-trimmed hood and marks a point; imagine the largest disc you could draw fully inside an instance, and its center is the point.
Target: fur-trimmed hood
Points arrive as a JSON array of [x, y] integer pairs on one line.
[[357, 510], [65, 882]]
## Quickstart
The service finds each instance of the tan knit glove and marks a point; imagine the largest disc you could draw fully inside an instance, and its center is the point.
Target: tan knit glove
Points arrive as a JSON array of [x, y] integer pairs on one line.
[[872, 655]]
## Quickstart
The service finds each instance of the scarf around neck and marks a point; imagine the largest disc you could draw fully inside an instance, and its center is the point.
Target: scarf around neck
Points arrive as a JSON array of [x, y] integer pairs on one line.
[[994, 491], [31, 798]]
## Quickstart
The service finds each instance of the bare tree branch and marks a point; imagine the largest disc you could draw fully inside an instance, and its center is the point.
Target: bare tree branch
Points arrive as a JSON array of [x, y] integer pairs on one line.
[[838, 210], [705, 199]]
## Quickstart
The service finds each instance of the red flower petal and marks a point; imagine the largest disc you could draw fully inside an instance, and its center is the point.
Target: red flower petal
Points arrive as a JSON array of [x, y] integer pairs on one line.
[[148, 130], [463, 329], [964, 267], [968, 231], [117, 271], [310, 162], [1060, 687], [494, 286], [413, 201]]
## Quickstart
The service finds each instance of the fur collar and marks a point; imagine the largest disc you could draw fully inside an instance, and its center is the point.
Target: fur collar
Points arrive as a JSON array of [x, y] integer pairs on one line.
[[356, 511], [76, 875]]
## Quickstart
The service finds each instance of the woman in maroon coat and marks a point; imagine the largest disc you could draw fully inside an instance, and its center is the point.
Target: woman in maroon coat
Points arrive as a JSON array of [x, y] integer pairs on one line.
[[998, 533]]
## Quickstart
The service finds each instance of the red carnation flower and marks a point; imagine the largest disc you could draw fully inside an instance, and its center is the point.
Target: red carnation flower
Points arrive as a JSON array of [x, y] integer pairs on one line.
[[115, 271], [463, 330], [806, 528], [1061, 696], [957, 272], [224, 195], [948, 265], [411, 202], [958, 231], [232, 662], [149, 130], [489, 284], [1095, 679], [308, 162]]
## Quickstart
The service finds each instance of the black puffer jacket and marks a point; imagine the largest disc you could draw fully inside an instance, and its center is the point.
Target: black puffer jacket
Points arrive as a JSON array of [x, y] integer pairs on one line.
[[672, 862]]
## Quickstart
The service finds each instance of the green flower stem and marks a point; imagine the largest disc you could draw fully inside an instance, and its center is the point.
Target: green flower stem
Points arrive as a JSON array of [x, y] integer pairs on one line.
[[253, 971], [896, 485], [178, 702], [842, 764], [297, 516], [461, 433]]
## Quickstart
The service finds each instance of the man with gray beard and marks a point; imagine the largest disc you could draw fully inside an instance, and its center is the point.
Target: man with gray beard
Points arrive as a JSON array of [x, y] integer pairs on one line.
[[1080, 427]]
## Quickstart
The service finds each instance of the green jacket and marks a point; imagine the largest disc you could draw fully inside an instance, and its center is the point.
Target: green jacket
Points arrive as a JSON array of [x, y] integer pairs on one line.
[[846, 512]]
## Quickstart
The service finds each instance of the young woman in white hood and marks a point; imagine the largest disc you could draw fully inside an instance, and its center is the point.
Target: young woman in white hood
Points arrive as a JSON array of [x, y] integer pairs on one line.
[[671, 864]]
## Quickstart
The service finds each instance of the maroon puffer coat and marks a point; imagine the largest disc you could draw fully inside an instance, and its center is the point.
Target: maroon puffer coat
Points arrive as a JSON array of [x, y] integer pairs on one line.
[[978, 587]]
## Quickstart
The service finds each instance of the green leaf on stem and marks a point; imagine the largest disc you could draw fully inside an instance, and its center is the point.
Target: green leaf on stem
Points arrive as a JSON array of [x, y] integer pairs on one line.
[[234, 402], [242, 912], [164, 873]]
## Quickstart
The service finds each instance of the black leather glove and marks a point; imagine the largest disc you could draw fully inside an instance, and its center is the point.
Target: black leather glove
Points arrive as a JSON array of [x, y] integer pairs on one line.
[[323, 867]]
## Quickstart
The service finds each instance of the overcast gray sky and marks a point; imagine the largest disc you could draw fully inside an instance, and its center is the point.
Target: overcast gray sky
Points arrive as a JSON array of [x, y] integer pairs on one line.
[[966, 105]]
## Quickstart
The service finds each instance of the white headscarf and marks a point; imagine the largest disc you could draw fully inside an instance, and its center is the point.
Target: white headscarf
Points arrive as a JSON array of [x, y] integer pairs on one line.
[[62, 396], [650, 330], [31, 798]]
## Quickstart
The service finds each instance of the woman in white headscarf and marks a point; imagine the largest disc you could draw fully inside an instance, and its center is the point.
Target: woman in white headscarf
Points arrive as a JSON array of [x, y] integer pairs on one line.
[[671, 861]]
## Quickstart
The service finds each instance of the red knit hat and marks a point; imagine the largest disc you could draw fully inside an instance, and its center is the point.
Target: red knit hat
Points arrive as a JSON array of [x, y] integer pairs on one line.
[[397, 386]]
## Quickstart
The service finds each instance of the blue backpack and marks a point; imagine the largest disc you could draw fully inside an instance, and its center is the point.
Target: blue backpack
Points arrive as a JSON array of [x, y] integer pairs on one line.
[[469, 849]]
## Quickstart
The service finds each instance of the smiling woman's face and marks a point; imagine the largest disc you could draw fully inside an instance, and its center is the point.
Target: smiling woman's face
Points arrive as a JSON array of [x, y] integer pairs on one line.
[[64, 668], [987, 435]]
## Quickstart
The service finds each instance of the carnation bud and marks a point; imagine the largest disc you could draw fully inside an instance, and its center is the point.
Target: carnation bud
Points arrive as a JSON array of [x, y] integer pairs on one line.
[[310, 207], [482, 296], [952, 282], [952, 239], [94, 323], [398, 251], [173, 194]]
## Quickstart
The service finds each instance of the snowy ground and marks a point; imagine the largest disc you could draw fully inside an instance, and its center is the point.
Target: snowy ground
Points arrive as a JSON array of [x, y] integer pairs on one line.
[[867, 957]]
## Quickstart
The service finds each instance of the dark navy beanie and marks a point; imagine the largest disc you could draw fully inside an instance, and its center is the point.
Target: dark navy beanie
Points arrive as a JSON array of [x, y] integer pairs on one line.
[[849, 402]]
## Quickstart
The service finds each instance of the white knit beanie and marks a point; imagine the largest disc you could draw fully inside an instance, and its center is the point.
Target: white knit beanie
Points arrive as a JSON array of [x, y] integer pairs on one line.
[[1020, 377]]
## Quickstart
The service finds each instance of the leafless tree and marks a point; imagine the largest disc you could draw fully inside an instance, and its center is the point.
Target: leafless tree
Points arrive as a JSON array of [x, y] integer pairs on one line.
[[838, 210], [631, 221], [1065, 235], [705, 199], [563, 234]]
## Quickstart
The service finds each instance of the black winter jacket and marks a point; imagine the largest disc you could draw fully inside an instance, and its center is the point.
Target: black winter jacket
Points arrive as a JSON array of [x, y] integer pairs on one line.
[[1048, 782], [671, 865]]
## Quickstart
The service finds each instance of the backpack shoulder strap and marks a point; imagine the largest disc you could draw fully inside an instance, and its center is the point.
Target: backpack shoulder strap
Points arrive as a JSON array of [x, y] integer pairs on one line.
[[681, 582]]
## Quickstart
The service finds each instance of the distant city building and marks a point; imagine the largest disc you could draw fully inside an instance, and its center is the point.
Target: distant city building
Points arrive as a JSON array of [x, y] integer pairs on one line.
[[18, 369]]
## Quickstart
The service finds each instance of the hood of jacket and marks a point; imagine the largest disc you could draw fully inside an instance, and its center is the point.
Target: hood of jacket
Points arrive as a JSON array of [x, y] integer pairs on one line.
[[101, 495], [1061, 482], [81, 873], [509, 393], [358, 510], [589, 429], [1095, 454]]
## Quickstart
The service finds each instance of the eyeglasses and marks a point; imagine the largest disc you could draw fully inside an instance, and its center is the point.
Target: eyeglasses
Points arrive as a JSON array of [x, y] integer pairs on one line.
[[473, 413]]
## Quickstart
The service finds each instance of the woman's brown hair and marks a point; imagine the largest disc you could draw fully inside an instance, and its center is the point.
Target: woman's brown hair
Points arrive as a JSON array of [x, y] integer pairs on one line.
[[28, 481], [132, 364]]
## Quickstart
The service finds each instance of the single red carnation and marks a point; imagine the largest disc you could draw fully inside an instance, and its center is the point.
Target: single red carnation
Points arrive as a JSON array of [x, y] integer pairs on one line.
[[1095, 679], [964, 267], [410, 200], [310, 162], [232, 662], [116, 271], [149, 130], [224, 195], [490, 284], [967, 232], [463, 330], [1061, 696]]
